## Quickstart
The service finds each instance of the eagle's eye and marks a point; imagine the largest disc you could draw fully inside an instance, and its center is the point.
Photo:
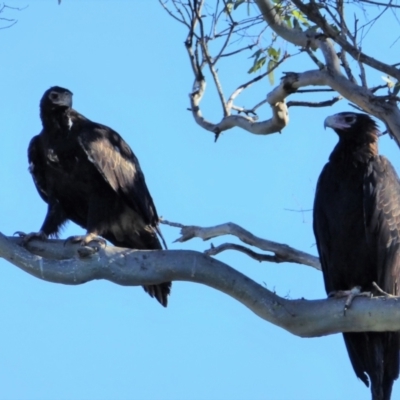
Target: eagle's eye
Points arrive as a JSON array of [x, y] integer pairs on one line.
[[349, 119], [53, 96]]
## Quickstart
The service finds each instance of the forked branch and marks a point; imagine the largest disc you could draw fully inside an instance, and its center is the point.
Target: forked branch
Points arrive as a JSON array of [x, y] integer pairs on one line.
[[282, 252], [328, 42]]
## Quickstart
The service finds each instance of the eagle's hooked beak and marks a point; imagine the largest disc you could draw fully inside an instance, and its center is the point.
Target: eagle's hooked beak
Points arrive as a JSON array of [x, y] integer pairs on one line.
[[336, 121], [329, 121]]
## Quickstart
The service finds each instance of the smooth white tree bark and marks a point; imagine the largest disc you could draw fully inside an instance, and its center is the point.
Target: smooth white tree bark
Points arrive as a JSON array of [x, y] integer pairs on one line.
[[69, 264]]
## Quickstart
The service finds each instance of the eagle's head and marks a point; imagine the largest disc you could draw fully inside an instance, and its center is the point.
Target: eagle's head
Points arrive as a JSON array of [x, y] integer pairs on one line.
[[352, 126], [56, 97]]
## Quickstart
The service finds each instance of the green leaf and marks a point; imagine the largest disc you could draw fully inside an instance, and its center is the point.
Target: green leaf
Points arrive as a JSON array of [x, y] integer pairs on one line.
[[257, 65], [288, 22], [271, 64], [257, 54], [298, 15], [274, 53]]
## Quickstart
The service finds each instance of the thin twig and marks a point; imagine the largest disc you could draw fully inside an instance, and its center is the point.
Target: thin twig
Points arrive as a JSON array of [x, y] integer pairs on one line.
[[314, 58], [377, 3], [214, 250], [326, 103]]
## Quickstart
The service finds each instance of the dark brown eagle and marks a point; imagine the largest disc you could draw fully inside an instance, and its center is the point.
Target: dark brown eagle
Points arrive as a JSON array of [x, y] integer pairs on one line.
[[88, 174], [357, 227]]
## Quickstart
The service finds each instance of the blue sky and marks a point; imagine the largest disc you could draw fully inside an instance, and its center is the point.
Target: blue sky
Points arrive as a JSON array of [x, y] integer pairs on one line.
[[126, 65]]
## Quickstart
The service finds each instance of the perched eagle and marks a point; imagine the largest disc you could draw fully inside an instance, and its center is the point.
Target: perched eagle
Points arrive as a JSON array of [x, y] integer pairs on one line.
[[88, 174], [357, 228]]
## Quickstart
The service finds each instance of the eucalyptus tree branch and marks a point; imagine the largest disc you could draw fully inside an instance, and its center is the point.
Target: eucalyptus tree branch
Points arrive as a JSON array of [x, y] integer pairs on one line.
[[214, 74], [279, 110], [278, 121], [273, 19], [349, 72], [331, 75], [282, 251], [304, 39], [53, 262], [312, 13], [203, 40], [344, 32], [196, 38]]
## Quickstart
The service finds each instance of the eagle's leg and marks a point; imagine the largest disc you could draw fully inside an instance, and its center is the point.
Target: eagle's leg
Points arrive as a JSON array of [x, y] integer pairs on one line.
[[27, 237], [350, 295]]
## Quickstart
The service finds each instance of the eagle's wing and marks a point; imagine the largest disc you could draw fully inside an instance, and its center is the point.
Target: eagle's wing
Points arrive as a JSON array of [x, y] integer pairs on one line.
[[37, 166], [118, 165], [55, 216], [382, 220], [321, 226]]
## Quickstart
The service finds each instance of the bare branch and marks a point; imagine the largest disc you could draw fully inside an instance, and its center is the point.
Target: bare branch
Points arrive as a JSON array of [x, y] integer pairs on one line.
[[326, 103], [363, 75], [282, 251], [227, 40], [232, 53], [203, 40], [9, 22], [171, 14], [278, 121], [377, 3]]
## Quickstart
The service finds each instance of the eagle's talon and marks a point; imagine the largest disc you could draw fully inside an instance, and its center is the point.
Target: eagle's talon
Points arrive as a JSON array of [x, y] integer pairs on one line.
[[89, 240], [27, 237], [349, 295], [87, 251], [382, 292]]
